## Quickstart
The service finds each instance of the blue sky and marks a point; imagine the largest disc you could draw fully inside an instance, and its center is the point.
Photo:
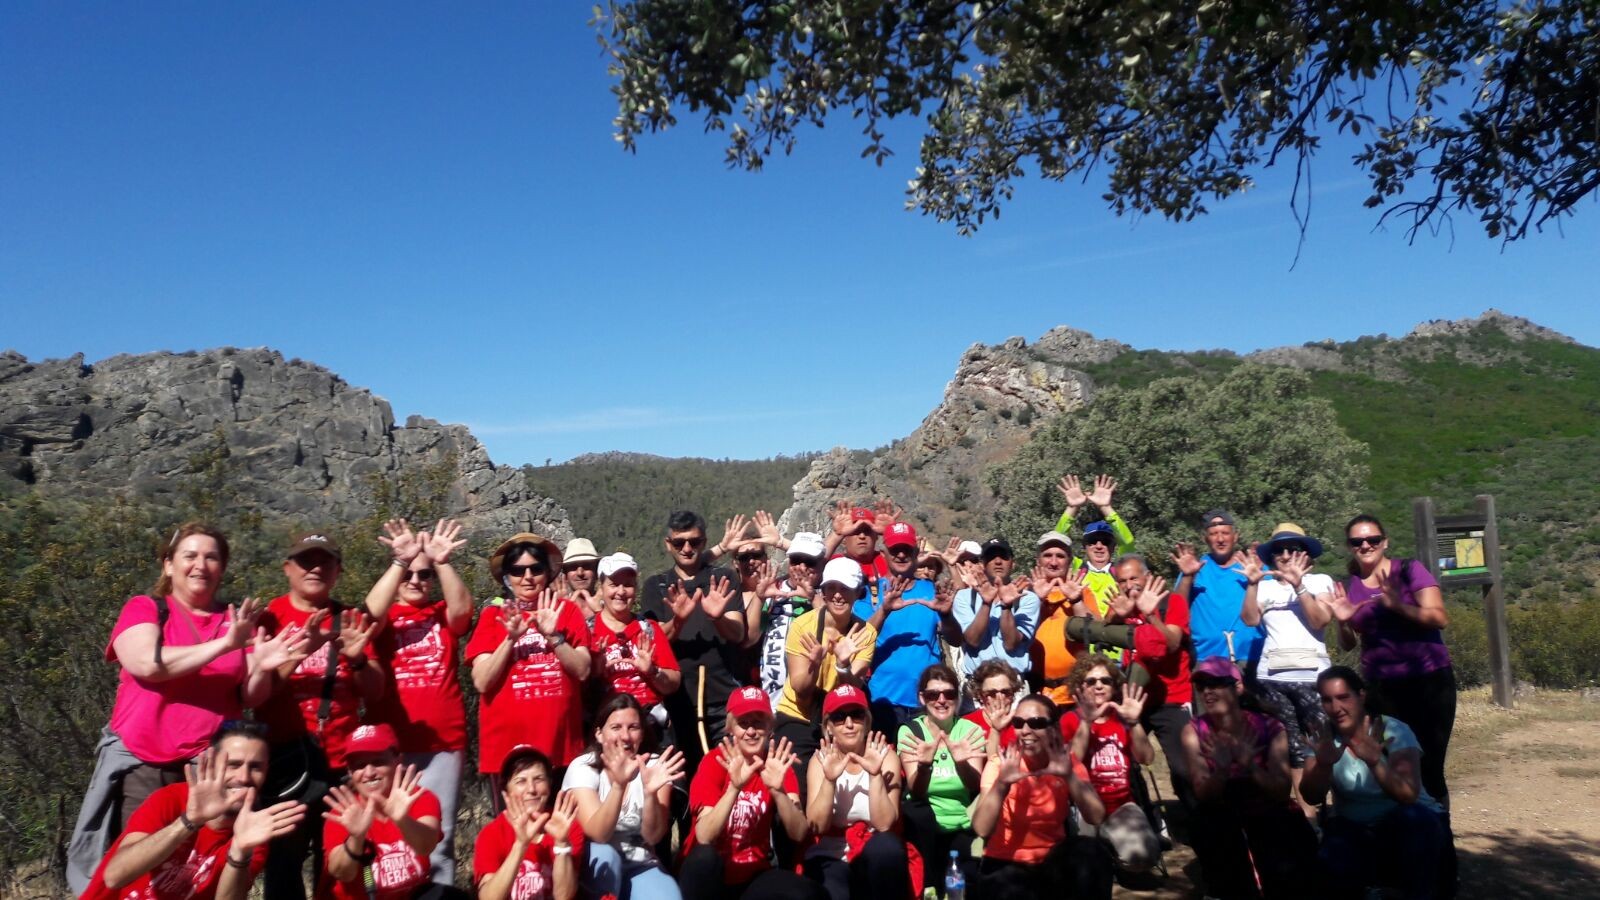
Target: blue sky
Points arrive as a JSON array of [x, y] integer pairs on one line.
[[431, 204]]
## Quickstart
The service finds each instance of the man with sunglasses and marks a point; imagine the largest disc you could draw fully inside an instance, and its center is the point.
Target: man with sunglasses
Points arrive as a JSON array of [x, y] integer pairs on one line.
[[696, 606], [909, 615], [998, 616], [419, 650], [1214, 585], [580, 572]]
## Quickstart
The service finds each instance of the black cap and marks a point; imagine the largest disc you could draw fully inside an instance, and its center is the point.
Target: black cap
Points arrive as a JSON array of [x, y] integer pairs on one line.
[[994, 547], [1216, 517]]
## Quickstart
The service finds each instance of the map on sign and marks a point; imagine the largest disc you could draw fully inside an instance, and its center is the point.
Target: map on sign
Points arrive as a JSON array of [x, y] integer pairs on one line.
[[1460, 551]]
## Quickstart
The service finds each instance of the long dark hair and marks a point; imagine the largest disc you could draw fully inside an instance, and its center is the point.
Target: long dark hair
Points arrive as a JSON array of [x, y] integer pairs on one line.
[[1353, 680], [610, 706]]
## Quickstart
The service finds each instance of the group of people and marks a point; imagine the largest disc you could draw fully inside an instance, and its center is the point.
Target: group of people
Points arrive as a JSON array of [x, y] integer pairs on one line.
[[873, 718]]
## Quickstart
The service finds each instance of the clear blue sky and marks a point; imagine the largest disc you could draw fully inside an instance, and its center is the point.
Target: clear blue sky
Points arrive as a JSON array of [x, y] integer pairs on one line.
[[431, 204]]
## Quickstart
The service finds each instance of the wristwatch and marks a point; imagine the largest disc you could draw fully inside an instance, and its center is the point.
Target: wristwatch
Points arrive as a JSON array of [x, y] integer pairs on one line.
[[556, 640]]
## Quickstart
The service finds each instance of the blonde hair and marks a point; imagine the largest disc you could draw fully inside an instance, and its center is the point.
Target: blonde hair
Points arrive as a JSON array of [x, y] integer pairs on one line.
[[188, 529]]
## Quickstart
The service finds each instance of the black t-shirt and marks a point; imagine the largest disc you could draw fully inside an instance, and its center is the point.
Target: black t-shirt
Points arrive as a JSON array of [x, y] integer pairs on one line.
[[697, 644]]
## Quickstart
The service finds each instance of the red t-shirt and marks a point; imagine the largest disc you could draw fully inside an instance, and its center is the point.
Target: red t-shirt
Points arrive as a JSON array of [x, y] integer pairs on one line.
[[614, 654], [191, 872], [745, 844], [1008, 734], [291, 711], [536, 878], [1109, 758], [423, 697], [397, 869], [537, 701], [1171, 669]]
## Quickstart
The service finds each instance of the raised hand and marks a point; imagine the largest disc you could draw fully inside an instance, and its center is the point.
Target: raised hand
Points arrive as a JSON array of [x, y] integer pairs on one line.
[[875, 755], [1343, 609], [1060, 755], [1104, 487], [1012, 591], [951, 552], [769, 584], [1131, 706], [961, 751], [843, 521], [527, 823], [286, 648], [207, 777], [848, 645], [558, 824], [547, 612], [1117, 602], [664, 770], [733, 533], [1321, 736], [1388, 592], [681, 602], [1151, 595], [407, 788], [402, 543], [1294, 568], [1090, 708], [833, 760], [241, 621], [516, 622], [884, 514], [894, 598], [1183, 556], [739, 766], [780, 759], [644, 651], [253, 827], [768, 529], [944, 597], [586, 600], [1010, 770], [715, 601], [318, 634], [621, 764], [1254, 571], [352, 811], [444, 540], [1072, 490], [813, 649], [1368, 743], [356, 630], [1071, 586]]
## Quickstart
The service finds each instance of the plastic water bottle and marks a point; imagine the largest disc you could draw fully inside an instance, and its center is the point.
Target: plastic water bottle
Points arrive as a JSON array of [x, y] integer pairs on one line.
[[955, 883]]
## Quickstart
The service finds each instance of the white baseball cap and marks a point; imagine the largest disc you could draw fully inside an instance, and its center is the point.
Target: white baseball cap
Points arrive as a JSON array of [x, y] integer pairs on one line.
[[970, 548], [808, 543], [842, 570], [617, 562]]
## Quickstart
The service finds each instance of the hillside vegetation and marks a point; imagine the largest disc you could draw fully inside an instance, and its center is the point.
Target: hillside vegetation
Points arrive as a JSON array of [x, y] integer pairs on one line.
[[621, 501]]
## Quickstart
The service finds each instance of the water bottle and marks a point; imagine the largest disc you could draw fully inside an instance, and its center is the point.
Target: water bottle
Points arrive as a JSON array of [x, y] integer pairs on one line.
[[955, 883]]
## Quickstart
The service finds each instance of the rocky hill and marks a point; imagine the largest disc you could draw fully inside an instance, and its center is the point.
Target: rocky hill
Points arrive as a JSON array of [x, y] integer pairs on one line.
[[997, 397], [300, 443]]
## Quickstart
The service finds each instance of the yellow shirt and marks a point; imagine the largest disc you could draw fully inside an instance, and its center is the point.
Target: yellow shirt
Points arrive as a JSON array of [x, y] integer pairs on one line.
[[827, 672]]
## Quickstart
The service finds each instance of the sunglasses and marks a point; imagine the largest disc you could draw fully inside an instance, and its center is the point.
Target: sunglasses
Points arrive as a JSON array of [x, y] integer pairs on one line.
[[901, 550], [856, 714], [419, 575], [519, 571], [1036, 723], [1206, 684], [751, 557], [1099, 679], [999, 692], [1366, 541], [946, 694], [686, 543]]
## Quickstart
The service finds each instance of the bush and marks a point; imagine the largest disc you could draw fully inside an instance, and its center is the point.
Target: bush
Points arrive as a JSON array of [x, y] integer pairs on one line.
[[1554, 645]]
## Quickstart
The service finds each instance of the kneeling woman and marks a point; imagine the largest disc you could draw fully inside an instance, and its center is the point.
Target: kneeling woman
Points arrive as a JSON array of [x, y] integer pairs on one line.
[[624, 798], [383, 826], [738, 789], [854, 805], [1251, 839], [1029, 791], [1384, 827], [525, 853]]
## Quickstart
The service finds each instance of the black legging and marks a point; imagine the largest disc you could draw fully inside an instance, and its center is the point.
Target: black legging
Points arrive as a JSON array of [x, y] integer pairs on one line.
[[1427, 703], [1076, 867], [879, 870], [1236, 848], [700, 878], [923, 832]]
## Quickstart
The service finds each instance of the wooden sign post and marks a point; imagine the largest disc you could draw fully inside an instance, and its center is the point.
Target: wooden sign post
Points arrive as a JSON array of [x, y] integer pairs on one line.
[[1462, 551]]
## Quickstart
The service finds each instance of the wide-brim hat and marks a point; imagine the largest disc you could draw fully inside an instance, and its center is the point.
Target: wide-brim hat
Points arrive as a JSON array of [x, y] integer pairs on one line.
[[1288, 533], [497, 559], [927, 556], [580, 550]]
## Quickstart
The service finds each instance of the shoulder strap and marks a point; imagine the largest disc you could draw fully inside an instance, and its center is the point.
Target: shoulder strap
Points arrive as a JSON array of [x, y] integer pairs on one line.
[[163, 613], [916, 729], [330, 677]]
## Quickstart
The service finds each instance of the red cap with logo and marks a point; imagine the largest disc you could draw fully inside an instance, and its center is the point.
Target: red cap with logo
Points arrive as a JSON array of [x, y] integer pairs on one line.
[[377, 738], [844, 696], [900, 533], [747, 700]]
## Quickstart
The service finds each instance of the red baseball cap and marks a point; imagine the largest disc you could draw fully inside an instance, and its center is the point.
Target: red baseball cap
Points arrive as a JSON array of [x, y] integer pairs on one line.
[[843, 697], [747, 700], [377, 738], [900, 533]]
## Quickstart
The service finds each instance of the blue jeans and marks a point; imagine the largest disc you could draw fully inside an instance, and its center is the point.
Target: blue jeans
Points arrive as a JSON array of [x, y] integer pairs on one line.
[[1402, 849], [607, 873]]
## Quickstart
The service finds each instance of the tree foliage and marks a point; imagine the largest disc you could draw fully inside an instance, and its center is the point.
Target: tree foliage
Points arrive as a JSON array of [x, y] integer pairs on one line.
[[1256, 442], [1483, 107]]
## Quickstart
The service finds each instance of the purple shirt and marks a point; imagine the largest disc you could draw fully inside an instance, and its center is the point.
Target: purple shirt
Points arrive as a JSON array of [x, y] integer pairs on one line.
[[1393, 646]]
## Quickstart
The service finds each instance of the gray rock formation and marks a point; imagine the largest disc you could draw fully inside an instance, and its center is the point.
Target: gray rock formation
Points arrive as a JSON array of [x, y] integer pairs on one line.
[[298, 441], [1515, 327], [998, 396]]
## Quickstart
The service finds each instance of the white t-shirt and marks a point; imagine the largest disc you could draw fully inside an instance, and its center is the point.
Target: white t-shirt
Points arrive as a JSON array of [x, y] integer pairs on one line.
[[628, 837], [852, 796], [1294, 651]]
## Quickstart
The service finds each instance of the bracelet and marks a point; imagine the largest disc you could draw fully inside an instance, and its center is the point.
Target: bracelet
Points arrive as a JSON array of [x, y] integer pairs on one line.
[[237, 863], [188, 824], [399, 565], [366, 855], [562, 849], [357, 664]]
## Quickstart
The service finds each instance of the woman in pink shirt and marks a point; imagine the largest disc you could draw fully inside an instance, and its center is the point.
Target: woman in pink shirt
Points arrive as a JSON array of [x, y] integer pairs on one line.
[[184, 672]]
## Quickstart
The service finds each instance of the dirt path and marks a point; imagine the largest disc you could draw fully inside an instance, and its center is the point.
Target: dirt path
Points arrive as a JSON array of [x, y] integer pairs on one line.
[[1525, 786]]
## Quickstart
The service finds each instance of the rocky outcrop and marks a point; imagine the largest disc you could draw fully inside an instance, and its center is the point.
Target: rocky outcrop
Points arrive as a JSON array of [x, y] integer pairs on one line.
[[1515, 327], [296, 440], [998, 396]]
